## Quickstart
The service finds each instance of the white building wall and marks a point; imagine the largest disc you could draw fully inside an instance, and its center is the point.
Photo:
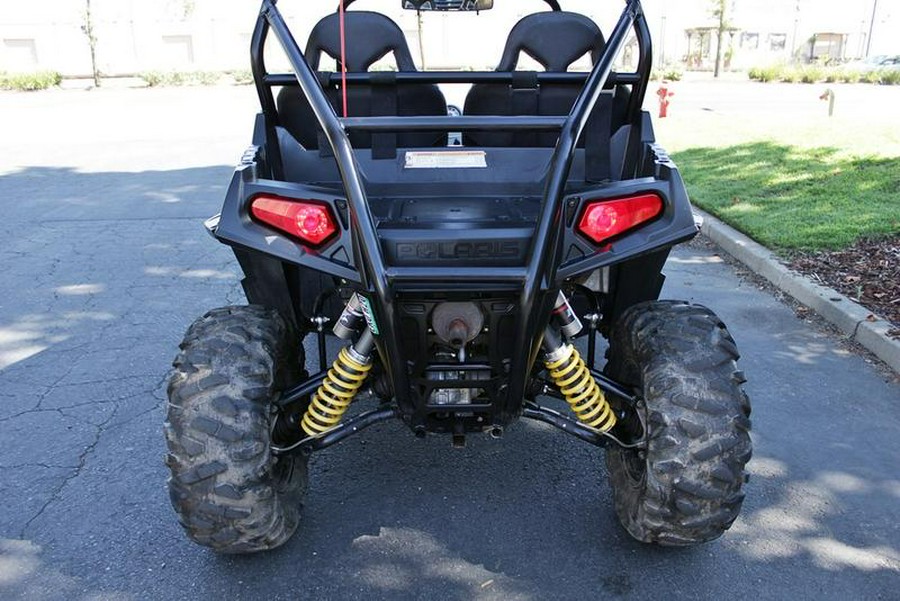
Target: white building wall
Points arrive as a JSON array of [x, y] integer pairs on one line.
[[796, 20], [143, 35]]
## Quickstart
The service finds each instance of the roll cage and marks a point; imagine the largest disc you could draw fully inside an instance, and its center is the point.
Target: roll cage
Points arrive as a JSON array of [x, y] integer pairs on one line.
[[537, 282], [458, 279]]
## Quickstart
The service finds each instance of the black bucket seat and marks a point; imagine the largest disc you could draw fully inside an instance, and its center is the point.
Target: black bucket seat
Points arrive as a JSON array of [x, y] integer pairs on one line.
[[555, 40], [369, 37]]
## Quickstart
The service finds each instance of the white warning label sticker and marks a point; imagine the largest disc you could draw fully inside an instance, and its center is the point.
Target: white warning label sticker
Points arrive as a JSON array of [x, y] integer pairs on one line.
[[447, 159]]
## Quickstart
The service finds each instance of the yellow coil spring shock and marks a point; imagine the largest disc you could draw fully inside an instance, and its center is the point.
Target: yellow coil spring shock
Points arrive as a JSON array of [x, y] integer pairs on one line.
[[330, 401], [574, 380]]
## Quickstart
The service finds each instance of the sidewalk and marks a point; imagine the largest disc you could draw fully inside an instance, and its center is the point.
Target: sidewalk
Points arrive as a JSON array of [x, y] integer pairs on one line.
[[857, 322]]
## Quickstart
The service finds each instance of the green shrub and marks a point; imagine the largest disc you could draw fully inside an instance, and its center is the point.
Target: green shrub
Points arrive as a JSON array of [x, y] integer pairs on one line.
[[811, 74], [242, 77], [765, 74], [205, 78], [152, 78], [850, 76], [790, 75], [818, 73], [667, 74], [890, 77], [673, 74], [29, 82], [871, 77], [180, 78]]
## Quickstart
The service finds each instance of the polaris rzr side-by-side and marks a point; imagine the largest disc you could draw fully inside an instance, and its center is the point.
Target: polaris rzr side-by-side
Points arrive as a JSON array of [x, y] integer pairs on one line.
[[461, 279]]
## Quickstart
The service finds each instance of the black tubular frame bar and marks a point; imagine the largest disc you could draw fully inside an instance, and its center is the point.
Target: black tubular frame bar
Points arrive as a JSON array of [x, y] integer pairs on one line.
[[554, 5], [537, 282], [392, 124], [433, 77]]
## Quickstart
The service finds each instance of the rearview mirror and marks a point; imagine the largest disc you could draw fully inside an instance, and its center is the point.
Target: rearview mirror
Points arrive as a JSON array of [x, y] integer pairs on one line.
[[444, 5]]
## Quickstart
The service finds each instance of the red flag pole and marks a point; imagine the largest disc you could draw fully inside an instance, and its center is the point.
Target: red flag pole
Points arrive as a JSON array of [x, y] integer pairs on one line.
[[343, 57]]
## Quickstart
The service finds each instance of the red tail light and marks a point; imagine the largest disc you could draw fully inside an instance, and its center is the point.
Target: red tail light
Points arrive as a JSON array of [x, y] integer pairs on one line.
[[311, 222], [608, 218]]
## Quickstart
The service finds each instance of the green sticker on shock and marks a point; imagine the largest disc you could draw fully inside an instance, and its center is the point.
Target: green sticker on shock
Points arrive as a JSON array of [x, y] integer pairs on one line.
[[369, 314]]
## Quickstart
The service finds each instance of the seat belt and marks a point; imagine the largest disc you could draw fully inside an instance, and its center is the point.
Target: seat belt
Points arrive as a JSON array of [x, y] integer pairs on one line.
[[384, 103], [597, 141], [523, 100], [324, 146]]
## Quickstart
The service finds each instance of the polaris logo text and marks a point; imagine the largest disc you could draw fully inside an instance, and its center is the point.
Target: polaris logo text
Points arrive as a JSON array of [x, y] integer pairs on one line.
[[459, 250]]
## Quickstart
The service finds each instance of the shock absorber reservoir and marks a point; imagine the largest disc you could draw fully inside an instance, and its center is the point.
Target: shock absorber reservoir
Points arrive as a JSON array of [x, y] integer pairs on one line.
[[341, 383], [574, 380]]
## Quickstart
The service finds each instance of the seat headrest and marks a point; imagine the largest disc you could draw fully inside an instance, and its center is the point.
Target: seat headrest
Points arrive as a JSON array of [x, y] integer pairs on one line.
[[554, 39], [369, 36]]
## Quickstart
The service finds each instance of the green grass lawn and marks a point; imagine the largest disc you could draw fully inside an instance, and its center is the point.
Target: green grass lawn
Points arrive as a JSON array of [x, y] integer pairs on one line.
[[792, 182], [788, 197]]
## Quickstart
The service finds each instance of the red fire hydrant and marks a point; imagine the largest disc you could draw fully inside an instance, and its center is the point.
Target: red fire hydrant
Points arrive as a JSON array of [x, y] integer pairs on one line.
[[664, 95]]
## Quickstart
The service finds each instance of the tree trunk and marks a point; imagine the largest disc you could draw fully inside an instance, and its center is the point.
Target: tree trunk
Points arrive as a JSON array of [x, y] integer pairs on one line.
[[719, 40], [421, 43], [92, 42]]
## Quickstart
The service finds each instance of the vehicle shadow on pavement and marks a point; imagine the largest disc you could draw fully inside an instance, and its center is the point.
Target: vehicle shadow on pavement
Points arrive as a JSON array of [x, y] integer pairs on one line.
[[102, 273]]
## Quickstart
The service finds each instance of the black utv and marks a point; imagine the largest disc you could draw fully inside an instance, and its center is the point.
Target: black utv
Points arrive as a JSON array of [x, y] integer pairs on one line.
[[460, 279]]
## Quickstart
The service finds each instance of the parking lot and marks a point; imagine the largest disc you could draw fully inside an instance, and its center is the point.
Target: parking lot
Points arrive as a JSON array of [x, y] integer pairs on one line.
[[103, 265]]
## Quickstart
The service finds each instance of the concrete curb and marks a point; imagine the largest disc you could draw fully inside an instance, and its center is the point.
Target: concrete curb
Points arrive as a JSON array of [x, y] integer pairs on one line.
[[860, 324]]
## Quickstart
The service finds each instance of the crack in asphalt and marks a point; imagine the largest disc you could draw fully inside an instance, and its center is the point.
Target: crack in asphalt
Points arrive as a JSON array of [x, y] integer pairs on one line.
[[156, 391], [73, 329], [105, 380], [9, 418], [82, 460], [42, 396], [100, 428], [235, 294], [61, 409], [48, 466]]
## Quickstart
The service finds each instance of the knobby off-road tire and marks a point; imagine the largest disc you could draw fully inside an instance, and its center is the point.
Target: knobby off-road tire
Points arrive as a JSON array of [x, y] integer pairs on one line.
[[230, 492], [686, 488]]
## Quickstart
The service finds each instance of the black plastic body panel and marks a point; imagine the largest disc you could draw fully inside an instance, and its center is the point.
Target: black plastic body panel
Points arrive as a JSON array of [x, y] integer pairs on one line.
[[501, 236], [454, 222]]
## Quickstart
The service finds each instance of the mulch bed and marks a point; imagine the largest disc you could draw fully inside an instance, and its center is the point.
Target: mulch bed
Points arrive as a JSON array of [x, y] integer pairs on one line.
[[868, 272]]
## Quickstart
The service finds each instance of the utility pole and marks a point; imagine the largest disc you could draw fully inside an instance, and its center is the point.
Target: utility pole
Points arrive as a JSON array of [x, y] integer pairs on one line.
[[871, 28], [662, 39]]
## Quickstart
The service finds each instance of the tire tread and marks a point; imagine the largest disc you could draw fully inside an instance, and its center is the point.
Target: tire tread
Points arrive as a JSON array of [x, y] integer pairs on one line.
[[684, 360], [229, 491]]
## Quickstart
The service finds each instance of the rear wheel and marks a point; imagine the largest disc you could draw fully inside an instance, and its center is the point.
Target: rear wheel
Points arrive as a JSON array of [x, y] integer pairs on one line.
[[230, 492], [685, 488]]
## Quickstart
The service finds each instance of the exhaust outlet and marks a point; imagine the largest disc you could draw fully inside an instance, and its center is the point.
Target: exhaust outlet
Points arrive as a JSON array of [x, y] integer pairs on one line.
[[457, 324]]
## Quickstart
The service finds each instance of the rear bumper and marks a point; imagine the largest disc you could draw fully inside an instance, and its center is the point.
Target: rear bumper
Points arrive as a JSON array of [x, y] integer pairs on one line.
[[492, 239], [427, 260]]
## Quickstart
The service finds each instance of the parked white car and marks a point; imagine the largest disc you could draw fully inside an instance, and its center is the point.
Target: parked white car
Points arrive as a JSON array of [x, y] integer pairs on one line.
[[876, 63]]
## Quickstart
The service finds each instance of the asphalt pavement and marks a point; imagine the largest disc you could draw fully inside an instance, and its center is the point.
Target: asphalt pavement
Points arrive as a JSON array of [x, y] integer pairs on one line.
[[103, 265]]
